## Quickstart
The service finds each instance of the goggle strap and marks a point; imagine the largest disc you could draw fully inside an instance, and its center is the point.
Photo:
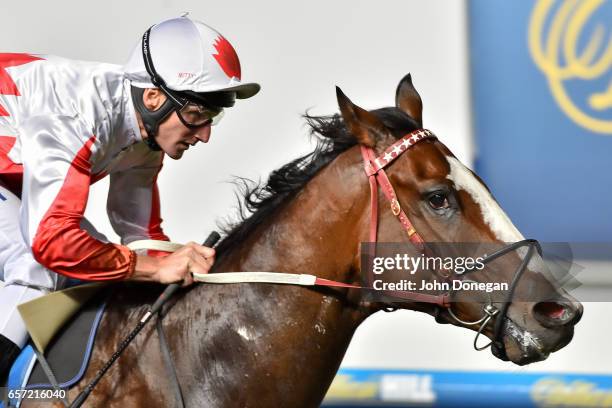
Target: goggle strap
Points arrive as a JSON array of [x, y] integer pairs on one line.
[[155, 78]]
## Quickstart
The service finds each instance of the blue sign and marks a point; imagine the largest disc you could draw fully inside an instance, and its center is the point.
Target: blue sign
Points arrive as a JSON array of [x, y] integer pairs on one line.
[[407, 388], [542, 100]]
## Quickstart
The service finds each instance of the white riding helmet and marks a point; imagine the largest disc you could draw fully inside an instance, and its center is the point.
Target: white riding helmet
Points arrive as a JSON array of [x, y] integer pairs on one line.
[[189, 56]]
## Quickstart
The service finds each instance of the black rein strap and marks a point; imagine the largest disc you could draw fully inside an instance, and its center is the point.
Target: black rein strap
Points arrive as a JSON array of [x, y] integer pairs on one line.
[[163, 345]]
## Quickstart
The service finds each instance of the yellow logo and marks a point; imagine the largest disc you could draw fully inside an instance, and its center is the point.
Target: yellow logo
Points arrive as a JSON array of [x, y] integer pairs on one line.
[[554, 392], [556, 53], [345, 387]]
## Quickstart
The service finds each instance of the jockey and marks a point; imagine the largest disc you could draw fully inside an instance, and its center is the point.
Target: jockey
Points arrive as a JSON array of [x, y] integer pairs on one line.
[[65, 124]]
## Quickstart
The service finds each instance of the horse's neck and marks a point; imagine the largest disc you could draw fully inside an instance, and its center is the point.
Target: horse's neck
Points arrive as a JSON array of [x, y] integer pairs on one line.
[[293, 334], [317, 232]]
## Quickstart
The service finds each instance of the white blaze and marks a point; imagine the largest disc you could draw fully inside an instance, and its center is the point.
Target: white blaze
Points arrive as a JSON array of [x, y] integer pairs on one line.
[[492, 213]]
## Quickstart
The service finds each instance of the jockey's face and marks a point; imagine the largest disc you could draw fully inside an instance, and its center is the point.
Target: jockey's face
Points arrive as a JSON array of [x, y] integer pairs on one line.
[[173, 136]]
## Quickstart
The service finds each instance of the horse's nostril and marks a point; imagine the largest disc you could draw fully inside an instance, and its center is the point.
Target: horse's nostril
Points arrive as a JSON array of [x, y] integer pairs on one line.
[[552, 309], [553, 313]]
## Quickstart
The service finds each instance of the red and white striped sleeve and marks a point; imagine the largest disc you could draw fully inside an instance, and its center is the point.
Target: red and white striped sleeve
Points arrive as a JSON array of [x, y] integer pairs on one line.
[[57, 157], [133, 204]]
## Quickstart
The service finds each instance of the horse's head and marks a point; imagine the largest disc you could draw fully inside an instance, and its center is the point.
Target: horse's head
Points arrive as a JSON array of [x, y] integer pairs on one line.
[[447, 202]]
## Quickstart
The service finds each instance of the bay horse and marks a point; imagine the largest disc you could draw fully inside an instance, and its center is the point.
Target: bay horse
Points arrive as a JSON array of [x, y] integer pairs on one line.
[[266, 345]]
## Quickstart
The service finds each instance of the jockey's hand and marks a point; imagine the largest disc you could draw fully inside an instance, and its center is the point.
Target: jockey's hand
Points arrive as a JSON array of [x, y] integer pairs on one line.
[[176, 267]]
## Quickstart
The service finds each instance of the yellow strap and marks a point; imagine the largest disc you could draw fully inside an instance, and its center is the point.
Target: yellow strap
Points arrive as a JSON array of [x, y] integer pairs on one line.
[[155, 245]]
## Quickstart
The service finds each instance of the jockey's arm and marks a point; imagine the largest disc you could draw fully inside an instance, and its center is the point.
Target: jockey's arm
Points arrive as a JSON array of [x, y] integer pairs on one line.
[[134, 211], [57, 170], [133, 200], [57, 173]]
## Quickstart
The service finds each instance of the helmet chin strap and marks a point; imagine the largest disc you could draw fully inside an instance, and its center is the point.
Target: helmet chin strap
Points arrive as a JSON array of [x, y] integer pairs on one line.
[[151, 119]]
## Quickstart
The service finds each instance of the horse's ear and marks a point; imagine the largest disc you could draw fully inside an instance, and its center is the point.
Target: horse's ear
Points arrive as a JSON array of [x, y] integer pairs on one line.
[[361, 123], [408, 99]]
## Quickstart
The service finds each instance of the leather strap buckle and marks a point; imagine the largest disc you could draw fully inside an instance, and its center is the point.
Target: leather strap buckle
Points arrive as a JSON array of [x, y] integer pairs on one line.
[[395, 207]]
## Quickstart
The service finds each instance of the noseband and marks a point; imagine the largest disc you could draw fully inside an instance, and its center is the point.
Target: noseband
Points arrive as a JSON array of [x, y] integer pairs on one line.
[[374, 169]]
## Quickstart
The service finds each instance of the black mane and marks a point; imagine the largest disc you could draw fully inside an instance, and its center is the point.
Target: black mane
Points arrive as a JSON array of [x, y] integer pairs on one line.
[[332, 138]]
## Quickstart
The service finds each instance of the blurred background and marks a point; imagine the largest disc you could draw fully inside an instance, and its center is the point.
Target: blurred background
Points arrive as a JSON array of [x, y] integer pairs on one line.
[[519, 91]]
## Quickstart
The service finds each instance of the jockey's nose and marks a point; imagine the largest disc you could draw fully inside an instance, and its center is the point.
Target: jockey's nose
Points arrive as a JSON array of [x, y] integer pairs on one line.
[[203, 134], [203, 138]]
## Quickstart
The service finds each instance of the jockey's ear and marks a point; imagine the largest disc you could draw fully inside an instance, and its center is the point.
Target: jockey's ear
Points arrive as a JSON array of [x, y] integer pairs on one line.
[[153, 98], [362, 124], [408, 99]]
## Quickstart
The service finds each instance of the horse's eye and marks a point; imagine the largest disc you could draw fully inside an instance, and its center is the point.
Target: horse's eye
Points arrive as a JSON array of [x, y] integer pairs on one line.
[[438, 201]]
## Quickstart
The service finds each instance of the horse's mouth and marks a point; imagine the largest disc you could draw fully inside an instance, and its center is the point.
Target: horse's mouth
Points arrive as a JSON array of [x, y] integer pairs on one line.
[[521, 346]]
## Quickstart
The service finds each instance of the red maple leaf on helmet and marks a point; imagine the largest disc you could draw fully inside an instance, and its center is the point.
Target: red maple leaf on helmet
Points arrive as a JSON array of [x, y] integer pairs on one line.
[[227, 58], [7, 86]]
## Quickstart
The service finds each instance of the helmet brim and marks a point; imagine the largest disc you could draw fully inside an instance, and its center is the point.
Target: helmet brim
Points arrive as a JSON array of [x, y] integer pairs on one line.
[[243, 91]]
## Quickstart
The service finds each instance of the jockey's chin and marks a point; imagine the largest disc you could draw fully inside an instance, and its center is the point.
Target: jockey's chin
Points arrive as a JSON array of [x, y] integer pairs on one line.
[[175, 138]]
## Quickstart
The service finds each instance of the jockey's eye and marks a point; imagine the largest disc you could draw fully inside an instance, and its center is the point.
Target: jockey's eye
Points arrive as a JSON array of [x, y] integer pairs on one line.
[[438, 201]]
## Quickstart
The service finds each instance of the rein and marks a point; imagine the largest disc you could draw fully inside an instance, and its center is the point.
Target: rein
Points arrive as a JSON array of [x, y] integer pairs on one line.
[[374, 169]]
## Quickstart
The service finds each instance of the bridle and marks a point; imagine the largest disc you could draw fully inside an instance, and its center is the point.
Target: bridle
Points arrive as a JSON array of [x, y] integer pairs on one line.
[[374, 168]]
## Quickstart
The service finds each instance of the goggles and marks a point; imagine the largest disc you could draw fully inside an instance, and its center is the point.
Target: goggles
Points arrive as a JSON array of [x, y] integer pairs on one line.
[[195, 115]]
